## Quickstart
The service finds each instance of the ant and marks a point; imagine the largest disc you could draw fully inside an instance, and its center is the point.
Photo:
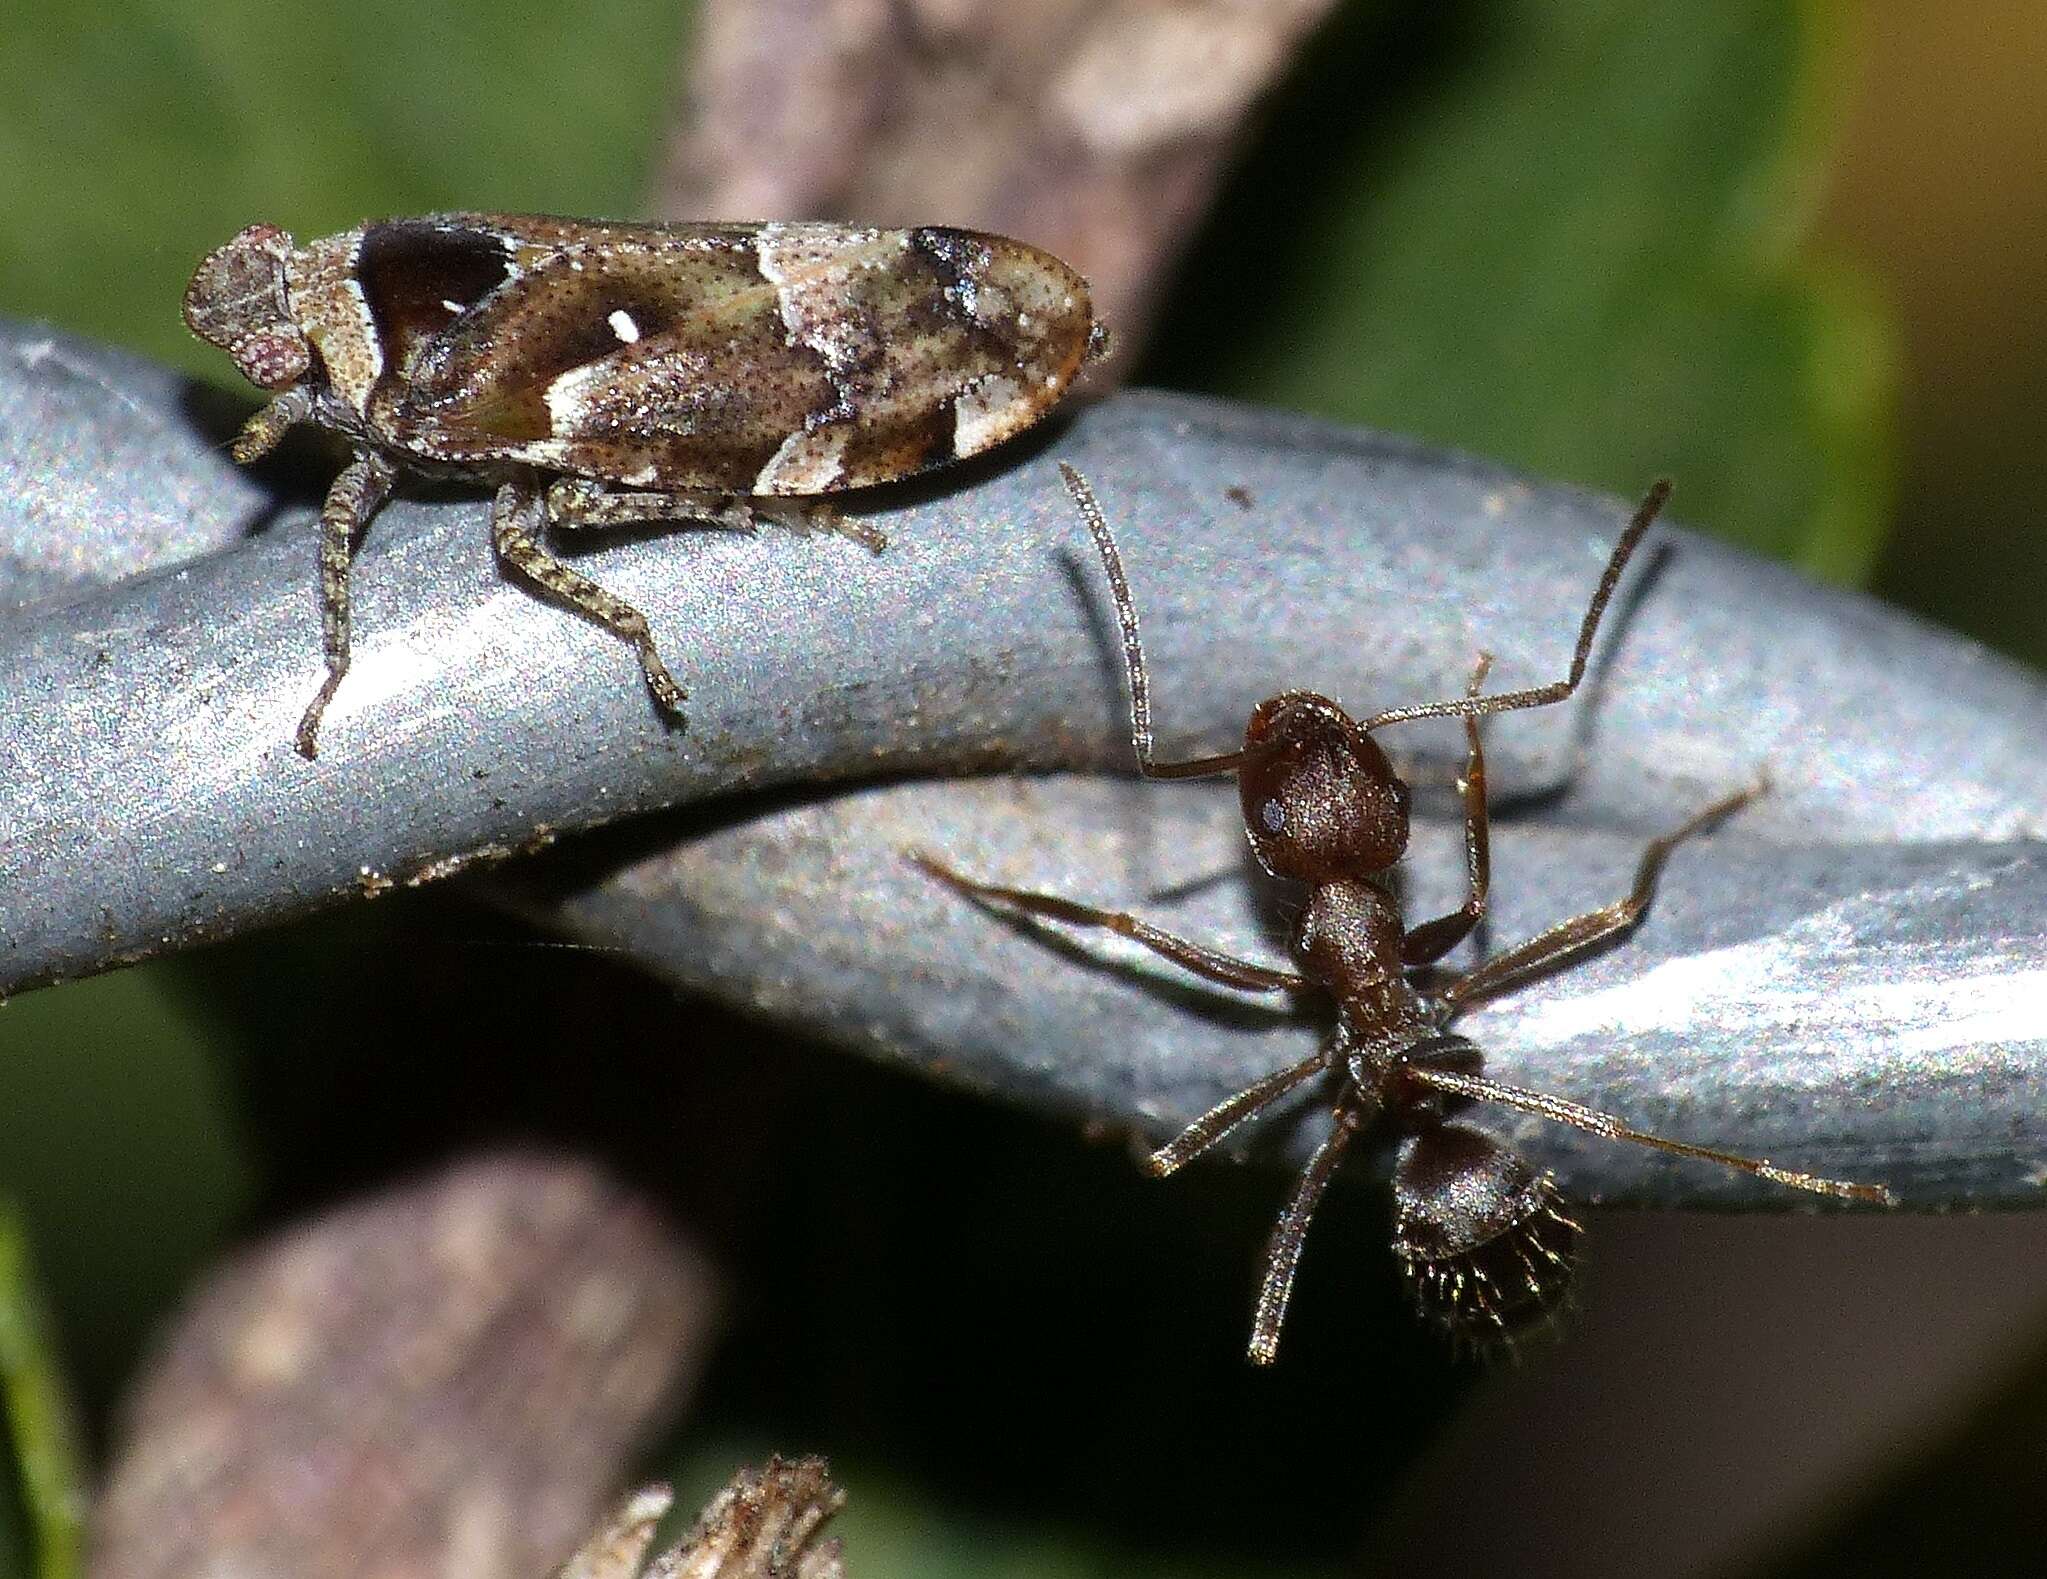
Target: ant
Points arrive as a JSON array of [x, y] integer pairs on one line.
[[1482, 1238]]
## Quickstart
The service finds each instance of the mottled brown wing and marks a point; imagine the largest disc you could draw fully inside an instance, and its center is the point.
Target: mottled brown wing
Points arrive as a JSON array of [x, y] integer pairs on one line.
[[790, 359]]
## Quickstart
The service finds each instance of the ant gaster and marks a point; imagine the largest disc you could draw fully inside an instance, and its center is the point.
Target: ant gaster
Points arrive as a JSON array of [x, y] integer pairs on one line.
[[1482, 1237]]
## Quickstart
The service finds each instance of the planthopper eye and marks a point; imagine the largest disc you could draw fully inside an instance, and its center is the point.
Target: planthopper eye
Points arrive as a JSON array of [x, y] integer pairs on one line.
[[1481, 1236]]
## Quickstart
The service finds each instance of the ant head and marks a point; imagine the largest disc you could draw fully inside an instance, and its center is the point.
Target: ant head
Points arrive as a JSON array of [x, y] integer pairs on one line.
[[1479, 1233], [1320, 799]]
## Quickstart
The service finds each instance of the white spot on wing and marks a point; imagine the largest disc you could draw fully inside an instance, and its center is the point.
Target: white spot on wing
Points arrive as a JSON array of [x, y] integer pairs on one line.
[[988, 413], [809, 461], [623, 326], [568, 397]]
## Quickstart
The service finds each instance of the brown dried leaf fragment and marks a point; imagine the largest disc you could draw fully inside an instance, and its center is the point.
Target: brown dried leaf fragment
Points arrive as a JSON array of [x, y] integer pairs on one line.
[[1096, 129], [441, 1379], [762, 1526], [619, 1545]]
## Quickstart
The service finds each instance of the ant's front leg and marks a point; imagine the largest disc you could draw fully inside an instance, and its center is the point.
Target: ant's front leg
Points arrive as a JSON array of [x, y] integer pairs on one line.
[[1546, 949], [1283, 1252], [1205, 962], [1430, 941]]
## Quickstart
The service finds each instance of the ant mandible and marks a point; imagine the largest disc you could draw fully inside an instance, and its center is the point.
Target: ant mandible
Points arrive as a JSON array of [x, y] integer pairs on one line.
[[1481, 1235]]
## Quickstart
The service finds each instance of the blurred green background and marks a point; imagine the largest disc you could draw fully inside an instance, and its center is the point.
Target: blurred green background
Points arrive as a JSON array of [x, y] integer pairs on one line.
[[1789, 252]]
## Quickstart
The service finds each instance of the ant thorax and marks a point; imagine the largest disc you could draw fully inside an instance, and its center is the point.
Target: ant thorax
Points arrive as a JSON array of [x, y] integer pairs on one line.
[[1348, 938]]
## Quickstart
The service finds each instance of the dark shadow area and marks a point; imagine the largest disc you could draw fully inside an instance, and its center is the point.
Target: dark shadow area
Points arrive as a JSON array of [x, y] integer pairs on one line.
[[1956, 1508], [1381, 63], [983, 1300]]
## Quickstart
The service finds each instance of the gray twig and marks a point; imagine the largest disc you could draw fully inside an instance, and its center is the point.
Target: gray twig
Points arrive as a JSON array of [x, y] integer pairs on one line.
[[1882, 910]]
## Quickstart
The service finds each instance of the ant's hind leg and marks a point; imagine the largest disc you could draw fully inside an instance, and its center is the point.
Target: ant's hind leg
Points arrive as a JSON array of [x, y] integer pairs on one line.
[[1283, 1253], [1539, 953], [1227, 1114], [1561, 1110]]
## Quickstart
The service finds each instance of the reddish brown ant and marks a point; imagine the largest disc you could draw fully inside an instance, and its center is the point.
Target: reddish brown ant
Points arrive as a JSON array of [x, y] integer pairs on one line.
[[1481, 1235]]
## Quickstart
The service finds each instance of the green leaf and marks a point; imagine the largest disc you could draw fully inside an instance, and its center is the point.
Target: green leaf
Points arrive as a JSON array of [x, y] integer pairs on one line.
[[122, 1147], [38, 1412], [131, 142], [1560, 233]]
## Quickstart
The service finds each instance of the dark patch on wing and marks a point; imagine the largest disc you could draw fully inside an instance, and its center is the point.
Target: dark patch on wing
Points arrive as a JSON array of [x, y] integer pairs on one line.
[[418, 277], [918, 441], [491, 373]]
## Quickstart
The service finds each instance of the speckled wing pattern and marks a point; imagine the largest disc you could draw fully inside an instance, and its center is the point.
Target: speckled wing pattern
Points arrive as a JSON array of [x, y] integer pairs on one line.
[[785, 359]]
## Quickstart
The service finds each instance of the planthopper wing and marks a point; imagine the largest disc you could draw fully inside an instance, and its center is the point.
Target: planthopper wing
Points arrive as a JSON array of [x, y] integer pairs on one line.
[[759, 358]]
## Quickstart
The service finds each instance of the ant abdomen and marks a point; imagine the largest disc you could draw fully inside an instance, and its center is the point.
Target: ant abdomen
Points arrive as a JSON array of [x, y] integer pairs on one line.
[[1480, 1235]]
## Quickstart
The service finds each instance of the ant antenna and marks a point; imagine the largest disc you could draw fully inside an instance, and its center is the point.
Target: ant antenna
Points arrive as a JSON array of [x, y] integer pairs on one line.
[[1133, 650], [1542, 695]]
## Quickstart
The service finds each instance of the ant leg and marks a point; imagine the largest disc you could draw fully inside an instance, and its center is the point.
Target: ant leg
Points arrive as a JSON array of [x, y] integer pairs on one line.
[[1133, 649], [1218, 967], [1507, 971], [1227, 1114], [518, 548], [1542, 695], [1430, 941], [363, 485], [1479, 1089], [1283, 1252]]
